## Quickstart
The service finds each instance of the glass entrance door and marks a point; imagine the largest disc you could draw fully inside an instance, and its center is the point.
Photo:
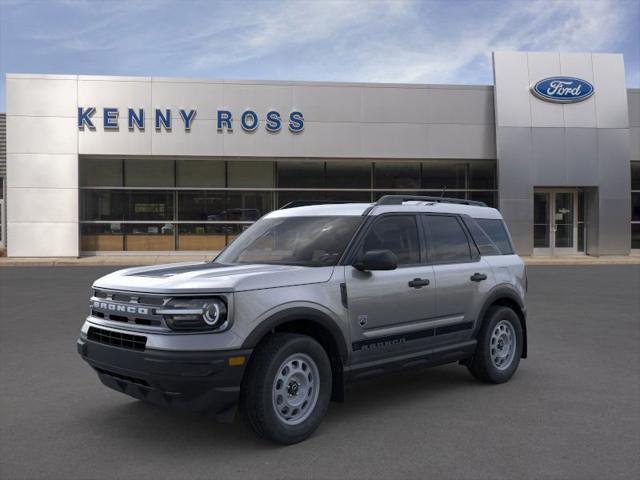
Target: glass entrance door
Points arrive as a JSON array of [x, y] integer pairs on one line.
[[555, 226]]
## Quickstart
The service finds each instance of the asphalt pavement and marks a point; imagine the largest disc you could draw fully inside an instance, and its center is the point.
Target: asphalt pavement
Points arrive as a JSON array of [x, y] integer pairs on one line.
[[572, 411]]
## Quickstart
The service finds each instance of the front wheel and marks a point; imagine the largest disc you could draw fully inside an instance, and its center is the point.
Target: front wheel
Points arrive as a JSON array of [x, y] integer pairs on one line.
[[499, 346], [287, 388]]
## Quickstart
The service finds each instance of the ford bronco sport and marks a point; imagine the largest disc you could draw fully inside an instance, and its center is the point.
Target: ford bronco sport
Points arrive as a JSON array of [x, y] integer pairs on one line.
[[308, 299]]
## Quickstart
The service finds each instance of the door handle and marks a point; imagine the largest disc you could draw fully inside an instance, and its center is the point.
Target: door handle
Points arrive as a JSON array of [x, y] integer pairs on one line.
[[478, 277], [418, 283]]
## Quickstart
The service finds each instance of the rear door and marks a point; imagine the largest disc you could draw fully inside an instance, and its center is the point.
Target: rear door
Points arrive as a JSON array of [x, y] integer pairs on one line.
[[388, 309], [462, 277]]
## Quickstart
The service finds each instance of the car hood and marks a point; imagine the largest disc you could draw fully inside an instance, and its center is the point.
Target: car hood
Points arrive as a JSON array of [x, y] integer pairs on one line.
[[207, 277]]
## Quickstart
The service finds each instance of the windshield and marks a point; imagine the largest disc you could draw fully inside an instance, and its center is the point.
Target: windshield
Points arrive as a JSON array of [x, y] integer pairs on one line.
[[304, 241]]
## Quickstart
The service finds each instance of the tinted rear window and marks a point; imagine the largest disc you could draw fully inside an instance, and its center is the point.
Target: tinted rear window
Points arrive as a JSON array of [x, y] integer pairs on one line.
[[447, 240], [497, 233], [481, 238]]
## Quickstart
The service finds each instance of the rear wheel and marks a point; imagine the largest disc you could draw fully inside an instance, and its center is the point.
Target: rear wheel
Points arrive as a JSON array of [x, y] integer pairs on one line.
[[287, 388], [499, 346]]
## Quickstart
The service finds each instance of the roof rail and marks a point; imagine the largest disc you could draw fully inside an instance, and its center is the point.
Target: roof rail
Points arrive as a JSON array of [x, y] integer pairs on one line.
[[400, 199], [306, 203]]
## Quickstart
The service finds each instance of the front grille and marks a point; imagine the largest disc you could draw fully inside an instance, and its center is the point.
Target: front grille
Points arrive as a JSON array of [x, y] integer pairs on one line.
[[117, 339], [127, 308]]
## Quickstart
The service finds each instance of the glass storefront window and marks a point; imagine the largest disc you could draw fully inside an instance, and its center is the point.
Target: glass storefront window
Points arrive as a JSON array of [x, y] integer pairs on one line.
[[356, 174], [443, 175], [148, 237], [149, 173], [635, 175], [101, 237], [487, 197], [635, 206], [210, 193], [150, 205], [397, 175], [251, 174], [293, 196], [103, 204], [101, 172], [204, 237], [300, 175], [482, 175], [635, 236], [247, 206], [200, 173], [201, 205]]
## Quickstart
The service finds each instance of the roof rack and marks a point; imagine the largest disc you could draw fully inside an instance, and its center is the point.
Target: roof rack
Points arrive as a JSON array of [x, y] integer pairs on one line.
[[400, 199], [307, 203]]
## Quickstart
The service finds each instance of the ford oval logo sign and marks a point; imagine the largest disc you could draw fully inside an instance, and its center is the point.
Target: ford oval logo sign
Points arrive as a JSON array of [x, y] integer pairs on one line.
[[562, 89]]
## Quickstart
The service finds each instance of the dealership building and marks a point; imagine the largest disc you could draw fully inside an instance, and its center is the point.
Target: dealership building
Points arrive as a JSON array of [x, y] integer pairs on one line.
[[115, 165]]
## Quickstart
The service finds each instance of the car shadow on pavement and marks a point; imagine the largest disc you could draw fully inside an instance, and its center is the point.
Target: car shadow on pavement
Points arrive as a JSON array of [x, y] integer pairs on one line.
[[135, 421]]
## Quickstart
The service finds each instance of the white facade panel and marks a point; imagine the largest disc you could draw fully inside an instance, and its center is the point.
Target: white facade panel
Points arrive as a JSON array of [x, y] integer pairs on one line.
[[461, 141], [41, 134], [42, 205], [327, 140], [42, 239], [120, 141], [42, 170], [395, 105], [634, 133], [581, 114], [634, 107], [395, 140], [201, 140], [544, 114], [203, 96], [255, 144], [461, 106], [329, 103], [511, 74], [612, 109], [260, 98], [42, 97], [114, 93]]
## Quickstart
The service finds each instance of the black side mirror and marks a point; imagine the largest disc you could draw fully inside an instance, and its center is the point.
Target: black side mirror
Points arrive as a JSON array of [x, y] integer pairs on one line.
[[377, 260]]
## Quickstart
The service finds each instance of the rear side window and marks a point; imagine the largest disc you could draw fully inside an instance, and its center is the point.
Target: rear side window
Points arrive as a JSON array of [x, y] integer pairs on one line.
[[397, 233], [482, 240], [497, 232], [447, 241]]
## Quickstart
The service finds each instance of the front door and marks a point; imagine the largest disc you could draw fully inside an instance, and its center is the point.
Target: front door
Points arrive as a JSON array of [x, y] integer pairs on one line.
[[555, 225], [390, 311]]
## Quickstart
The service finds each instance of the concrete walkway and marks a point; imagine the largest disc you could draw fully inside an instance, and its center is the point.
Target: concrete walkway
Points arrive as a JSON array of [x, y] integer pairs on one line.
[[125, 260]]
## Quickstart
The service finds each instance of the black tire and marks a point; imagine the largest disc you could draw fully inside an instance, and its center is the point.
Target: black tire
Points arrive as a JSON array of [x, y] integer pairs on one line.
[[256, 403], [481, 366]]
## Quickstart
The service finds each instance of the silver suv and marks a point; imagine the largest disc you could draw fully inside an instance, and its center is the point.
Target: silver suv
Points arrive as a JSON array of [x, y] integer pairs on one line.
[[308, 299]]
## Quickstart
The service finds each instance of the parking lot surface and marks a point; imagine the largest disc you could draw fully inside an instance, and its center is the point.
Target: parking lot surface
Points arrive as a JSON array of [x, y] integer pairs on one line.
[[572, 411]]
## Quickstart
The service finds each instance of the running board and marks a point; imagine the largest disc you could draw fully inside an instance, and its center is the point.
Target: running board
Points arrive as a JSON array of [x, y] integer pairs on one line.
[[424, 358]]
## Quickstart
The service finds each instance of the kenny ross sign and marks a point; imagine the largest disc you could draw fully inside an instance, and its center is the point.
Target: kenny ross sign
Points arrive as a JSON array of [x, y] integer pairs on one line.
[[162, 119]]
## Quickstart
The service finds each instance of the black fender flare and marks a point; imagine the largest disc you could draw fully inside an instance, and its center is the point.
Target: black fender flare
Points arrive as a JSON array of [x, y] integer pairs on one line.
[[299, 313], [506, 291]]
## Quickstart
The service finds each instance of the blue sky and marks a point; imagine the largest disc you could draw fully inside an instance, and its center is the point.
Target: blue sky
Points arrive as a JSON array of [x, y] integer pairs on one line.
[[438, 41]]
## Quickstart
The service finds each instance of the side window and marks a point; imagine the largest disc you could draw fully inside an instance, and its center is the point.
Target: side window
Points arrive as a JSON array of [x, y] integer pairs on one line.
[[398, 233], [497, 232], [483, 242], [448, 242]]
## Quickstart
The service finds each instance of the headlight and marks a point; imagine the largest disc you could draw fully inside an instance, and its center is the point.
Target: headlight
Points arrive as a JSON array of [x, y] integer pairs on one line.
[[195, 314]]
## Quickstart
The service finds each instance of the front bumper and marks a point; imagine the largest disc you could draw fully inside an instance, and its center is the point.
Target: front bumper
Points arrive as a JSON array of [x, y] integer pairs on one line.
[[194, 381]]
